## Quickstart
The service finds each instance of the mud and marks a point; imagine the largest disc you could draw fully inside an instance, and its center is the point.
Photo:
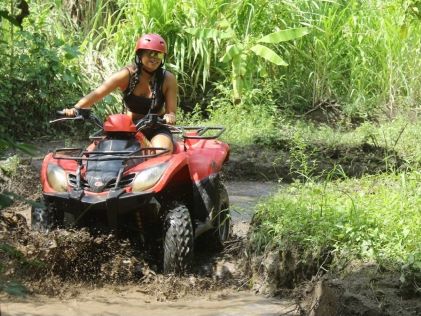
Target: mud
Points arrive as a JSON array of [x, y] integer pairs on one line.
[[74, 272], [276, 162], [133, 301], [362, 291], [51, 263], [318, 289]]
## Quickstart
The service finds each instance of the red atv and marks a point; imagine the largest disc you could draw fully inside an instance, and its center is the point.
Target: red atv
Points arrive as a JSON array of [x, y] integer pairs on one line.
[[165, 201]]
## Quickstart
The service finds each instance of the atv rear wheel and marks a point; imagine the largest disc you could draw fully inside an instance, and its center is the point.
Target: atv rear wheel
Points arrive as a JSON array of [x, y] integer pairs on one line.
[[44, 217], [178, 240], [221, 219]]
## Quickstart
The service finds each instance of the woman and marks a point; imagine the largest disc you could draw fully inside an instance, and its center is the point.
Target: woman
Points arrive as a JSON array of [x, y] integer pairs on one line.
[[147, 88]]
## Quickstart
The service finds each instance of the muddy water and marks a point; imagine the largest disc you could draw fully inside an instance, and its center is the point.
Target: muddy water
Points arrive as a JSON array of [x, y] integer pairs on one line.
[[244, 195], [130, 302], [135, 300]]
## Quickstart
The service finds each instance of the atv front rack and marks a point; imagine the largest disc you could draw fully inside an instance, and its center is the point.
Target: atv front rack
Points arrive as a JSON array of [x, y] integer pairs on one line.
[[124, 156], [83, 155]]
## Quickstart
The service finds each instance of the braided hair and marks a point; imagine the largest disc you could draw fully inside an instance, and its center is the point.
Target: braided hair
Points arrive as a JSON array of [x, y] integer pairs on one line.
[[158, 78]]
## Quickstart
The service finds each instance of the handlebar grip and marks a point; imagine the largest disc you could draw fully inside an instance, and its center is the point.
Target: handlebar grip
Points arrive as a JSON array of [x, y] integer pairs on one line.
[[61, 113]]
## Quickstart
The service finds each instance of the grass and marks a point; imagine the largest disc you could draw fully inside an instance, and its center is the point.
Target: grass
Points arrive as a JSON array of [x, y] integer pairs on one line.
[[399, 135], [373, 219], [245, 122]]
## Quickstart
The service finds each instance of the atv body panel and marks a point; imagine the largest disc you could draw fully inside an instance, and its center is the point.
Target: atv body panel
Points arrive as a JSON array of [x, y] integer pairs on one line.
[[100, 178]]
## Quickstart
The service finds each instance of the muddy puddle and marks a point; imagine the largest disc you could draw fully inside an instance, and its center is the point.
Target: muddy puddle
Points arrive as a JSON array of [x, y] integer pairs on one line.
[[74, 283], [131, 301]]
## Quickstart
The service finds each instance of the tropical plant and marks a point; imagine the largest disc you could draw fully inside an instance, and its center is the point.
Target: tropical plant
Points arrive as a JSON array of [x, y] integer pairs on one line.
[[240, 48]]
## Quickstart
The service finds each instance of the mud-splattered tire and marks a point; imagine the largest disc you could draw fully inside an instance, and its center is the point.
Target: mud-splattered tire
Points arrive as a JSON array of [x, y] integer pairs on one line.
[[178, 240], [221, 219], [44, 218]]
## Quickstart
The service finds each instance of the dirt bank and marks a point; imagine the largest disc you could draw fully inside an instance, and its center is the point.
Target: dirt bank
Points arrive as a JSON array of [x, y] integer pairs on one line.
[[278, 162], [319, 290]]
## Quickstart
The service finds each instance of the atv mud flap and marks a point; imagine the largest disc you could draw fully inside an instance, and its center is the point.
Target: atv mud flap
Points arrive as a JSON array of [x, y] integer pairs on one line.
[[116, 203]]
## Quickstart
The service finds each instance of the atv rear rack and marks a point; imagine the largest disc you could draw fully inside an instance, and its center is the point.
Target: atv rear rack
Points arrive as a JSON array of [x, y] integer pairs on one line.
[[200, 130], [109, 155]]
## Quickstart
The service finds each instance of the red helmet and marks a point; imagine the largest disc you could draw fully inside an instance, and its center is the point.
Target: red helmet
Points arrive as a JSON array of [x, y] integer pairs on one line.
[[152, 42]]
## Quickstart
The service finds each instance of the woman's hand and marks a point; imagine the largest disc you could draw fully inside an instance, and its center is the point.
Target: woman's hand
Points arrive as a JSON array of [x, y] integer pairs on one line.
[[169, 118], [72, 112]]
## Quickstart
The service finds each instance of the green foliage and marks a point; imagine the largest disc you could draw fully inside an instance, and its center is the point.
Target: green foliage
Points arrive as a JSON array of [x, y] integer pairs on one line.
[[38, 74], [399, 136], [359, 57], [255, 117], [359, 54], [376, 218], [239, 49]]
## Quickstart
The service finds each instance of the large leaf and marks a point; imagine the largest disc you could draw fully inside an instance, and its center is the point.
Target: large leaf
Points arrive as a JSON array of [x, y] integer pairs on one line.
[[231, 52], [284, 35], [268, 54], [208, 33]]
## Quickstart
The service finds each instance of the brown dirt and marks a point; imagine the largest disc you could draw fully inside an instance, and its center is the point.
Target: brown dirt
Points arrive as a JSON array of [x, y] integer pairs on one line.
[[363, 290], [277, 164], [359, 289]]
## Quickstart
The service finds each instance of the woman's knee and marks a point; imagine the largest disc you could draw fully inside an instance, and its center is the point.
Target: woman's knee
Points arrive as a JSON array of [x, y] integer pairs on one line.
[[162, 141]]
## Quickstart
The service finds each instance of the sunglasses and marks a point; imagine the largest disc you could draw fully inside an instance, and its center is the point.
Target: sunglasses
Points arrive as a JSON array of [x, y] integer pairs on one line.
[[154, 54]]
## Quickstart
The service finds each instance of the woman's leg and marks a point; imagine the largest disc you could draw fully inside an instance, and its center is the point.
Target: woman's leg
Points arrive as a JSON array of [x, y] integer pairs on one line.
[[163, 141]]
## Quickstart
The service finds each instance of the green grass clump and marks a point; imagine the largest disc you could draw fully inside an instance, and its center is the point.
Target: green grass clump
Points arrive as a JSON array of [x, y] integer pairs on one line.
[[373, 219], [398, 135], [255, 118]]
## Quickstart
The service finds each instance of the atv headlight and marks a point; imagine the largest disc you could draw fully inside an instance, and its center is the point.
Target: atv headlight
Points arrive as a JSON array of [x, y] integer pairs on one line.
[[147, 178], [57, 178]]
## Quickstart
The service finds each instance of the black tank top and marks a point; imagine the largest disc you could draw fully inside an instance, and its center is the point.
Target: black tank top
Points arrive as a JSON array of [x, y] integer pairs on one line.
[[143, 105]]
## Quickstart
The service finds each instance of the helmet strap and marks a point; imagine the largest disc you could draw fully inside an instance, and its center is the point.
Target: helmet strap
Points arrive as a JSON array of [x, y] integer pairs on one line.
[[137, 60]]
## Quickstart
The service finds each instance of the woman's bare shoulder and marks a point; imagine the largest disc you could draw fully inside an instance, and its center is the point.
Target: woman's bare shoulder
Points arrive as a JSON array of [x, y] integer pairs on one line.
[[123, 76], [169, 77], [130, 68]]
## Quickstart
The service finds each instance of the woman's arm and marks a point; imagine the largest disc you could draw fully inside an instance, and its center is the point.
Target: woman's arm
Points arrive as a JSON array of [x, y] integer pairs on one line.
[[118, 79], [170, 93]]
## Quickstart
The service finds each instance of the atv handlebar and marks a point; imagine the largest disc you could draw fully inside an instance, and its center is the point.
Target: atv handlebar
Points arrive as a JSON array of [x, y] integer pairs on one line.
[[147, 121], [81, 115], [86, 114]]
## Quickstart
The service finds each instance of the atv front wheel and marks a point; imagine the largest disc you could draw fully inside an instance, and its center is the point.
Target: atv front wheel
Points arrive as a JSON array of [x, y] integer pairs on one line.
[[44, 217], [221, 219], [178, 240]]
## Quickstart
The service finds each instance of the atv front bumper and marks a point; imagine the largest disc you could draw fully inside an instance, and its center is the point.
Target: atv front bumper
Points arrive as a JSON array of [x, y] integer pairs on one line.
[[116, 203]]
